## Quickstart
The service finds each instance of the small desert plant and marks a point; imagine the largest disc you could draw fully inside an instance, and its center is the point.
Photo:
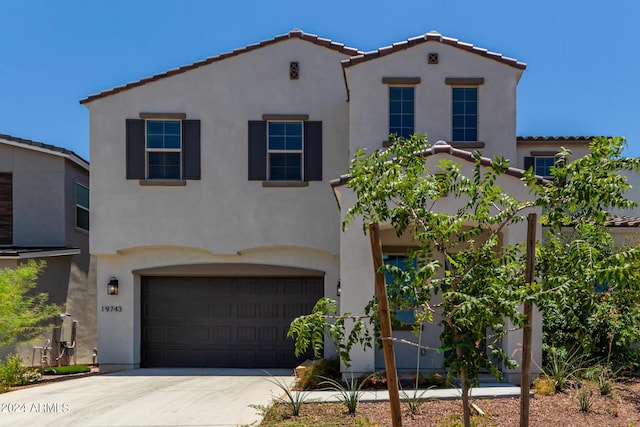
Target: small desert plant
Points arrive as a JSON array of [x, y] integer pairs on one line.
[[456, 420], [414, 401], [604, 376], [349, 394], [13, 372], [585, 400], [292, 399], [544, 385], [563, 366]]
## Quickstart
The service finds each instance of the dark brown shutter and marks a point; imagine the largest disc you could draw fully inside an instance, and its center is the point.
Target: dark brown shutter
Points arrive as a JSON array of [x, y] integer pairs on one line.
[[6, 208], [257, 150], [313, 151], [135, 149], [528, 162], [191, 149]]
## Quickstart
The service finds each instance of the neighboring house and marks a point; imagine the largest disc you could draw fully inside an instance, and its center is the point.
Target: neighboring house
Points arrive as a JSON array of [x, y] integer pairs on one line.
[[44, 215], [213, 206]]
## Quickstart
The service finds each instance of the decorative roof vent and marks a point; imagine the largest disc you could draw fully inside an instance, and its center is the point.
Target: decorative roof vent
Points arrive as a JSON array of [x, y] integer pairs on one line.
[[294, 70], [433, 58]]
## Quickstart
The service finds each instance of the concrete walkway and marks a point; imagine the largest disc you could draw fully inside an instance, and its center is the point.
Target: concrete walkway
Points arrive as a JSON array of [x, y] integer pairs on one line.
[[145, 397], [487, 391]]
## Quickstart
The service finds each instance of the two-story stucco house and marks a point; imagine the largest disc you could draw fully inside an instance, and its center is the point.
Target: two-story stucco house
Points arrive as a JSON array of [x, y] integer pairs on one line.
[[44, 215], [214, 189]]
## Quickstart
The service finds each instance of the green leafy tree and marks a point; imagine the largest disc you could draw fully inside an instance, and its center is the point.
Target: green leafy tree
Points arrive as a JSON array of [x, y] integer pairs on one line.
[[23, 314], [591, 298], [458, 256]]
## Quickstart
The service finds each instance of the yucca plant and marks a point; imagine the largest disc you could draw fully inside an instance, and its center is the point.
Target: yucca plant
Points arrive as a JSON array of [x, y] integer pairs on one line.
[[348, 394], [293, 399]]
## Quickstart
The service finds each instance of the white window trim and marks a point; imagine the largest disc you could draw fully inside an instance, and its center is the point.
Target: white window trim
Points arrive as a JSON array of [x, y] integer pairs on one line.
[[270, 151], [148, 150]]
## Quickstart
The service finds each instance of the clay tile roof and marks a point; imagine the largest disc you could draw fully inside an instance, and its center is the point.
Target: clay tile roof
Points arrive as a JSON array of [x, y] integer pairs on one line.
[[624, 221], [443, 147], [542, 139], [432, 36], [41, 146], [295, 33]]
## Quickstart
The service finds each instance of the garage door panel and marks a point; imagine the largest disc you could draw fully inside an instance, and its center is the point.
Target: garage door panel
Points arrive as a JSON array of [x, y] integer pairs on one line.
[[246, 333], [268, 334], [223, 322], [246, 311]]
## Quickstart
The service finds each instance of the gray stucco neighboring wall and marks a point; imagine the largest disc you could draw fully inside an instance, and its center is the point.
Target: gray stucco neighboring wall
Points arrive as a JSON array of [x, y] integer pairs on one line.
[[44, 209]]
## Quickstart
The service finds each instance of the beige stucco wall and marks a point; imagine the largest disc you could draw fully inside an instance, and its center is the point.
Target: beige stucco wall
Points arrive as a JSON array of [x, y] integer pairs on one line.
[[223, 212], [369, 97], [224, 217]]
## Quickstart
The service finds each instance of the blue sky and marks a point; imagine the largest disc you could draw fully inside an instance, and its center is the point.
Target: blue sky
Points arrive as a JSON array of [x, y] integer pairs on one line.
[[582, 56]]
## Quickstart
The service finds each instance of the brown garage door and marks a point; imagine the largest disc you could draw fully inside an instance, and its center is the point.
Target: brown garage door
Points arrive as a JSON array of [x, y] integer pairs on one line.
[[223, 322]]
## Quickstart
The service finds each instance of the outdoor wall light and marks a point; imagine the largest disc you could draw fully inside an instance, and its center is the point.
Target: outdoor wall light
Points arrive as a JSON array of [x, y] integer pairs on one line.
[[112, 286], [338, 289]]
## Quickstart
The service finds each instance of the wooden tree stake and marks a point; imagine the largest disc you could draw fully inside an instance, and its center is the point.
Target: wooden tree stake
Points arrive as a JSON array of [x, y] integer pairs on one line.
[[385, 326], [525, 368]]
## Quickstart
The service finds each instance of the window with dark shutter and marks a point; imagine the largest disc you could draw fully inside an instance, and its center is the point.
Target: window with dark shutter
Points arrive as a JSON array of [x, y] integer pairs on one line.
[[162, 147], [257, 150], [313, 151], [191, 149], [285, 151], [135, 149]]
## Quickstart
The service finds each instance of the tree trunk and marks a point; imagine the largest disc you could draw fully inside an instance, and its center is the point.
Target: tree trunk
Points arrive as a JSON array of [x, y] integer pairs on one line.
[[525, 372], [466, 405]]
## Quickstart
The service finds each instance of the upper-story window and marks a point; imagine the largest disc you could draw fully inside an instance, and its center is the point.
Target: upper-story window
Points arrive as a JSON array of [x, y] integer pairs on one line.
[[164, 149], [82, 207], [464, 114], [285, 151], [401, 111]]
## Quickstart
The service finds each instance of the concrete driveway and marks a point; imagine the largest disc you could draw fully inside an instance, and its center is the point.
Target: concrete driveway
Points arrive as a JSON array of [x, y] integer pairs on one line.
[[145, 397]]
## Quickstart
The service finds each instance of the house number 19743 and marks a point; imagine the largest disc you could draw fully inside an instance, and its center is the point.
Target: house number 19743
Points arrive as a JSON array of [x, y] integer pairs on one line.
[[112, 308]]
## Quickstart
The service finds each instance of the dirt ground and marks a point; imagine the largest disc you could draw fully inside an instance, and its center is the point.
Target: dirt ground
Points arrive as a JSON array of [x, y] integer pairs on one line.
[[621, 408]]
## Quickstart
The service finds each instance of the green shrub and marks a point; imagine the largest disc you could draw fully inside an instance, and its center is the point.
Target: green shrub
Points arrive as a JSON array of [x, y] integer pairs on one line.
[[375, 381], [14, 373], [321, 369]]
